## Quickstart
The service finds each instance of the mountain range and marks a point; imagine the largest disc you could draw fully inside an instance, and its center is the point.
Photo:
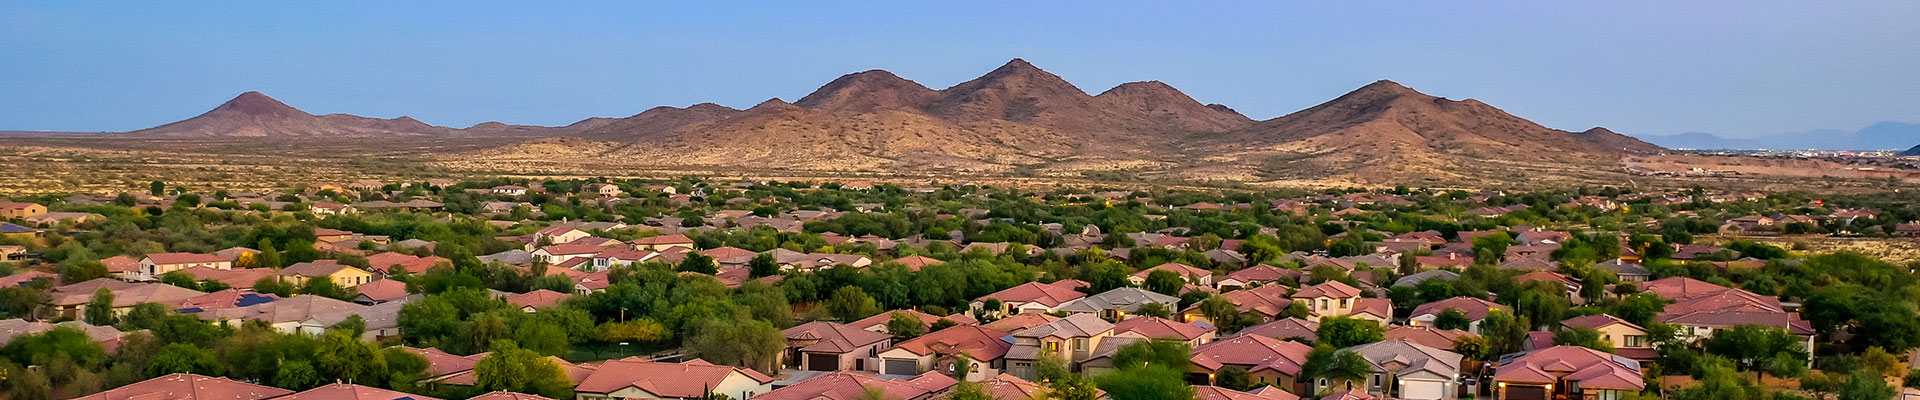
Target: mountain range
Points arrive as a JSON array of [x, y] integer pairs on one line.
[[1879, 136], [1014, 117]]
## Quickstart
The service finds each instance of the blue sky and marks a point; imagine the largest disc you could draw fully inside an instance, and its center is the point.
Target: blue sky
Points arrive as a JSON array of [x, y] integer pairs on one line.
[[1640, 67]]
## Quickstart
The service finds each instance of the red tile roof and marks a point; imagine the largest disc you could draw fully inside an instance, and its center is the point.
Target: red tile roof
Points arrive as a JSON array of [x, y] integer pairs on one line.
[[1035, 292], [851, 386], [689, 379], [1155, 327], [980, 343], [1427, 335], [1334, 289], [1593, 369], [1254, 352], [1220, 393], [184, 258], [1475, 308], [383, 290], [188, 387], [537, 299], [348, 391]]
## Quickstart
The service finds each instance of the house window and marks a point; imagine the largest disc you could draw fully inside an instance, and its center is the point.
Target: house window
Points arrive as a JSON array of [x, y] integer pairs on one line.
[[1323, 304], [1344, 303], [1607, 394], [1053, 346], [1079, 345], [1636, 341]]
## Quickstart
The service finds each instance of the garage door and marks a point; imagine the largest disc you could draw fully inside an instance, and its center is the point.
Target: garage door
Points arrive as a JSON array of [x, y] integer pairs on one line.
[[822, 362], [1423, 390], [903, 367], [1517, 392]]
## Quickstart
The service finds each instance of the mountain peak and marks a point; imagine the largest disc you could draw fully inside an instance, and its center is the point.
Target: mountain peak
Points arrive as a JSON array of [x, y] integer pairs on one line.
[[1388, 87], [256, 103], [868, 92], [1018, 68]]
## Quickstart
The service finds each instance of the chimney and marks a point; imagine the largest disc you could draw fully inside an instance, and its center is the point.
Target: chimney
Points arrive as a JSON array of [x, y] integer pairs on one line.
[[1453, 256]]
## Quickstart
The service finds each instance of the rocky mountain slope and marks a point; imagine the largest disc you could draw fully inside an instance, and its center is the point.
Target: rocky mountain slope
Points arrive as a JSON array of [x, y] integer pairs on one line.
[[1015, 118]]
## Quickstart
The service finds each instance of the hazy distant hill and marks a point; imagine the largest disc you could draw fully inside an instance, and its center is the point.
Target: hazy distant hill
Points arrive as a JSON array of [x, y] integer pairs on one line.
[[1879, 136]]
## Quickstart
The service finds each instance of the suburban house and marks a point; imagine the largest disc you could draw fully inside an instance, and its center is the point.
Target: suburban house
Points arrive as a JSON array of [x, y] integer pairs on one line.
[[1627, 339], [70, 301], [1267, 301], [341, 274], [1194, 334], [510, 190], [1020, 322], [1255, 275], [633, 378], [1427, 335], [661, 243], [284, 314], [1407, 370], [380, 291], [13, 210], [1330, 298], [536, 300], [832, 346], [1118, 304], [878, 322], [938, 351], [1570, 371], [559, 234], [1189, 274], [603, 190], [1205, 392], [1699, 308], [848, 386], [1474, 308], [1072, 339], [1030, 297], [1268, 360], [154, 265], [189, 387], [559, 254], [1628, 272], [1286, 329]]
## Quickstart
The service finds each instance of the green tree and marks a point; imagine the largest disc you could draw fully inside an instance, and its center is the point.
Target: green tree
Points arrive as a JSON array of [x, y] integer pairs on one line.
[[1154, 382], [1452, 318], [347, 358], [1864, 384], [1156, 310], [296, 375], [763, 265], [849, 304], [1339, 368], [968, 391], [737, 341], [904, 326], [513, 369], [1224, 314], [157, 188], [100, 309], [1163, 352], [326, 287], [1235, 378], [31, 385], [1505, 334], [1753, 347], [1343, 332], [185, 359], [1165, 282], [1583, 337], [696, 262]]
